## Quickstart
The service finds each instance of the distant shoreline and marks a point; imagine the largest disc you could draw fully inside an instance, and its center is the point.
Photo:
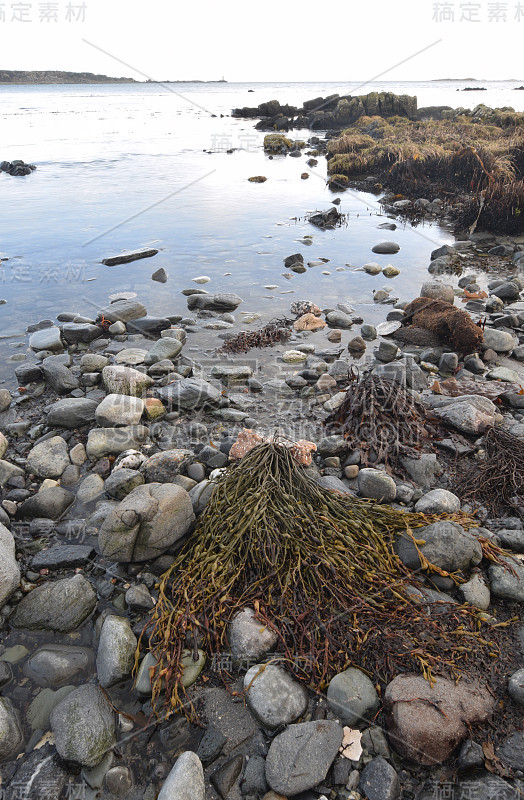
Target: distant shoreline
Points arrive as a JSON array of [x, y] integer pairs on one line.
[[56, 77]]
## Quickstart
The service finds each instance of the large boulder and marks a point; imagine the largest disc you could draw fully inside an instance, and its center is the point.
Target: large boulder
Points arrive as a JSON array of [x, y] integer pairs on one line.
[[59, 606], [9, 569], [146, 523], [300, 757], [83, 725], [426, 723]]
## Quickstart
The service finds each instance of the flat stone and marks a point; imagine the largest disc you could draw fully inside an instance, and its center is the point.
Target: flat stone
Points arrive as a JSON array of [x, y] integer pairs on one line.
[[62, 556], [122, 481], [169, 348], [123, 311], [47, 339], [83, 725], [56, 664], [113, 441], [59, 606], [82, 332], [71, 412], [299, 758], [273, 697], [470, 413], [214, 302], [386, 248], [125, 380]]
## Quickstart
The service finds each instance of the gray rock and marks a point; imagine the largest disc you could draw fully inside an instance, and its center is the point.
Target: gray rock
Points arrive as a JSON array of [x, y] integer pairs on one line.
[[71, 412], [56, 664], [122, 481], [438, 501], [444, 250], [423, 470], [116, 651], [476, 592], [516, 686], [83, 725], [273, 697], [499, 341], [40, 774], [254, 778], [447, 545], [436, 290], [225, 778], [506, 584], [379, 781], [300, 757], [337, 319], [470, 755], [160, 275], [117, 410], [11, 736], [8, 471], [511, 752], [59, 377], [189, 393], [186, 779], [48, 503], [486, 787], [59, 606], [123, 311], [146, 523], [119, 379], [91, 488], [93, 362], [352, 697], [113, 441], [169, 348], [49, 458], [138, 597], [214, 302], [386, 248], [469, 413], [81, 332], [511, 539], [201, 494], [9, 569], [165, 466], [508, 291], [368, 332], [62, 555], [248, 638], [376, 485], [47, 339]]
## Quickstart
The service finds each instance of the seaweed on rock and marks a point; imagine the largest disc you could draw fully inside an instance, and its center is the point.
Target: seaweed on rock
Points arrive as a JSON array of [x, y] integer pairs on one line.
[[319, 569]]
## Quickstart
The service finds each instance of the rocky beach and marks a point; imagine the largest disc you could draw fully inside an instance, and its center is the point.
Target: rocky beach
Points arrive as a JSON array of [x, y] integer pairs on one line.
[[255, 557]]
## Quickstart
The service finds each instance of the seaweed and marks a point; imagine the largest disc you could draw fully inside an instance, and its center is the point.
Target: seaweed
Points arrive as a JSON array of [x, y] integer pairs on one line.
[[319, 569]]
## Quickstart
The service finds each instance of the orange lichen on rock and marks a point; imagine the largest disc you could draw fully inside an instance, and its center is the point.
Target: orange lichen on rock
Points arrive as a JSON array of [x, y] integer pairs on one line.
[[309, 322], [248, 439]]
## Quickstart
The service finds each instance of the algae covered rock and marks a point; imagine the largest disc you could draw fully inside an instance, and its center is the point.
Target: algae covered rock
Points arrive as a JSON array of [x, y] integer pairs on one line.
[[83, 725]]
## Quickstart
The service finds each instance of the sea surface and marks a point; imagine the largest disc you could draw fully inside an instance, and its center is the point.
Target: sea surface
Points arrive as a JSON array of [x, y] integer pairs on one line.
[[125, 166]]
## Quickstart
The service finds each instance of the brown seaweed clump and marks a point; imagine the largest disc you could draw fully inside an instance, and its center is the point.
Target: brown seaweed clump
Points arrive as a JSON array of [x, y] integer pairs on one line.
[[452, 325]]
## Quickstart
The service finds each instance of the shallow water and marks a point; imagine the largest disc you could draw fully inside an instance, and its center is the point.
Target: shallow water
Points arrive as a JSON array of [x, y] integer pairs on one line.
[[124, 166]]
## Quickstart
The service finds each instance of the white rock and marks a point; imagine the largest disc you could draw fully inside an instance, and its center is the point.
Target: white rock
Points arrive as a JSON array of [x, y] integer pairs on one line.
[[186, 779]]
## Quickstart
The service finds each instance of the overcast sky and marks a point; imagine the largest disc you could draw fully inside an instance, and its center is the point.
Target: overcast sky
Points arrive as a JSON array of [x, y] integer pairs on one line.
[[250, 41]]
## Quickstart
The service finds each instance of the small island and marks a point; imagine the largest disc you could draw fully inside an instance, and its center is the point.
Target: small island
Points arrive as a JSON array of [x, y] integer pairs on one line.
[[55, 76]]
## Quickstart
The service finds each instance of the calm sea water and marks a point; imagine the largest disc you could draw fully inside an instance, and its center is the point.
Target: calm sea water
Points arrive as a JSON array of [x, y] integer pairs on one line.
[[125, 166]]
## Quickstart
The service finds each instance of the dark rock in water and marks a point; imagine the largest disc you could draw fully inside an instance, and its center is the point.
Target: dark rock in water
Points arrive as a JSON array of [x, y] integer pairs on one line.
[[160, 276], [292, 261], [386, 248], [327, 220], [82, 332], [148, 325], [224, 301], [27, 373], [41, 774], [16, 168], [123, 311], [125, 258]]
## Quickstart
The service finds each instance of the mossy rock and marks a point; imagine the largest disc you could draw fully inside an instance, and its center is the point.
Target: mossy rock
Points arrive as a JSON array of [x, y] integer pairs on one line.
[[338, 183], [276, 142]]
